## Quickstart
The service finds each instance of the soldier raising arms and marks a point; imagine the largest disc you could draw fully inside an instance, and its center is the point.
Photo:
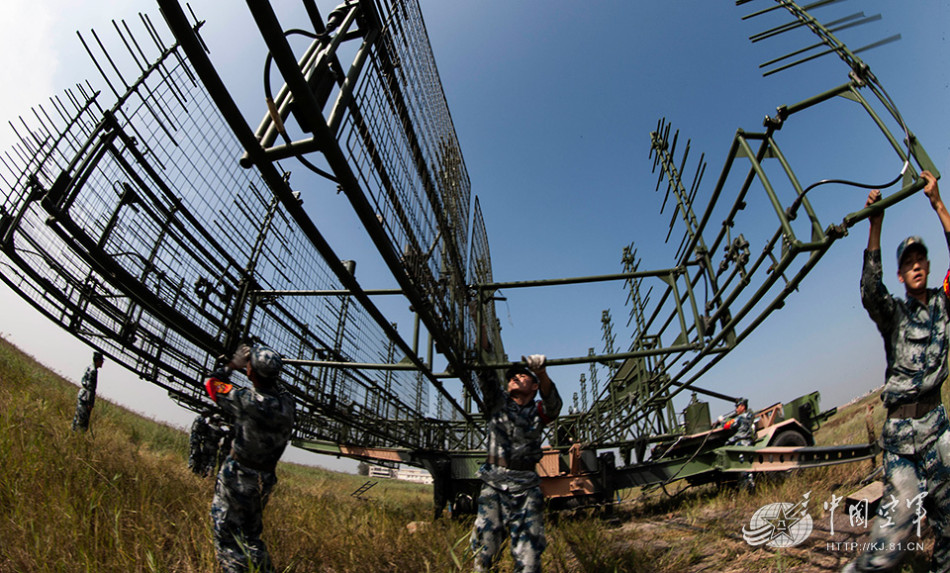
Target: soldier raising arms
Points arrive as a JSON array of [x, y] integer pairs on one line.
[[511, 498], [915, 438], [263, 421]]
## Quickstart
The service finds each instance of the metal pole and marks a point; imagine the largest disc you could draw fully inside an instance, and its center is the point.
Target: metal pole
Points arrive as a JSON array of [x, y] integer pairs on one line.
[[178, 24]]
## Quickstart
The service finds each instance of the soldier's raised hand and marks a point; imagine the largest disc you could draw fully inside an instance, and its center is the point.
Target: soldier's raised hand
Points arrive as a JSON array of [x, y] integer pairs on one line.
[[931, 190], [536, 362], [241, 357]]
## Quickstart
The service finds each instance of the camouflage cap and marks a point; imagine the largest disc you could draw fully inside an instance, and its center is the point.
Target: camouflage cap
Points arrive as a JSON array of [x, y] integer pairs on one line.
[[742, 402], [97, 355], [265, 361], [912, 242], [519, 369]]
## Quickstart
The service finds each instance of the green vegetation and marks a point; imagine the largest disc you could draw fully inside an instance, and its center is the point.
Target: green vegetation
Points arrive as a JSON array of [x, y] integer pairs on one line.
[[700, 528], [121, 498]]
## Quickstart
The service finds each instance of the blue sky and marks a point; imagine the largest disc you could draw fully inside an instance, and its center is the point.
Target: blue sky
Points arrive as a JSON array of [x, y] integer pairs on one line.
[[553, 103]]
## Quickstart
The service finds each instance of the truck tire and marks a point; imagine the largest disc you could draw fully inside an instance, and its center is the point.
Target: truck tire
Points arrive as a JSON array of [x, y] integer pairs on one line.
[[790, 438]]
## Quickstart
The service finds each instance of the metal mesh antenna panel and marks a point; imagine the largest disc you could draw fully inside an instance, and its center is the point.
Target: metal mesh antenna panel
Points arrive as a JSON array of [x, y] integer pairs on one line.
[[129, 227], [404, 151], [489, 344], [729, 277]]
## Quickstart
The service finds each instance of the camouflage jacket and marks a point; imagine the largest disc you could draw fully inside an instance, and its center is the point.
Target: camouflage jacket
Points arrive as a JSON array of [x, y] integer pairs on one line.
[[200, 432], [915, 348], [514, 434], [263, 420], [205, 435], [90, 379], [745, 429]]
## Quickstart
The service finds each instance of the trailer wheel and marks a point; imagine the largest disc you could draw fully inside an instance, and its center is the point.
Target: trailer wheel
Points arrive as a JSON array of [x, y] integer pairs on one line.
[[790, 438], [463, 504]]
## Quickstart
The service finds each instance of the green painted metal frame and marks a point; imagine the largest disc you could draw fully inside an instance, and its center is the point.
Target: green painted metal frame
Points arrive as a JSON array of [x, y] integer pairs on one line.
[[676, 340]]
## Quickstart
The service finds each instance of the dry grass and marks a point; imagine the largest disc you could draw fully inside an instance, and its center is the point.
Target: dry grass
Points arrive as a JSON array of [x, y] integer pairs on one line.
[[121, 498], [700, 529]]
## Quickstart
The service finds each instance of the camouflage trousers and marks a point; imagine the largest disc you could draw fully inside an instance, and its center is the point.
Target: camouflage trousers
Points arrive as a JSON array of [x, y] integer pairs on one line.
[[240, 496], [914, 485], [522, 516], [200, 463], [746, 479], [81, 418]]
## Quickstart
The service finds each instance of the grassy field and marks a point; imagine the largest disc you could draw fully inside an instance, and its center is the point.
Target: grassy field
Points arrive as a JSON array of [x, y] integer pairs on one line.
[[121, 498]]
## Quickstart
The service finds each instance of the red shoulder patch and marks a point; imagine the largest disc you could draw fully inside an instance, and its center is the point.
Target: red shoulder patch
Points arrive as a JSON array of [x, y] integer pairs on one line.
[[215, 387], [946, 285], [222, 387]]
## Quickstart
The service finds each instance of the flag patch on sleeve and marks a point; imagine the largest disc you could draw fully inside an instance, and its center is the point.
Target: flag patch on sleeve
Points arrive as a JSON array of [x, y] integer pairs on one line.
[[215, 387]]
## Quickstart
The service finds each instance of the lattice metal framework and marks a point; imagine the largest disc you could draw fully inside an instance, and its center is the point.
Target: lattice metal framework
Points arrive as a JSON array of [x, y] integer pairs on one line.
[[482, 318], [718, 293], [131, 224]]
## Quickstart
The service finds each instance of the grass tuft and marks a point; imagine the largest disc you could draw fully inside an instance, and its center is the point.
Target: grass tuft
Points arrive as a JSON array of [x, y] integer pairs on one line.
[[121, 498]]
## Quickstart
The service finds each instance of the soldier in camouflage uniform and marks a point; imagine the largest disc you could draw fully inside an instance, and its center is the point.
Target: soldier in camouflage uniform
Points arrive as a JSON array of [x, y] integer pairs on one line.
[[511, 497], [87, 394], [263, 420], [207, 431], [225, 436], [744, 424], [198, 438], [915, 438]]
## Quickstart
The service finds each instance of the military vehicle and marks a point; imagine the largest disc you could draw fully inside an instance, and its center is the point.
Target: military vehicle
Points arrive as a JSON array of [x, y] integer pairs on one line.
[[151, 221], [696, 452]]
